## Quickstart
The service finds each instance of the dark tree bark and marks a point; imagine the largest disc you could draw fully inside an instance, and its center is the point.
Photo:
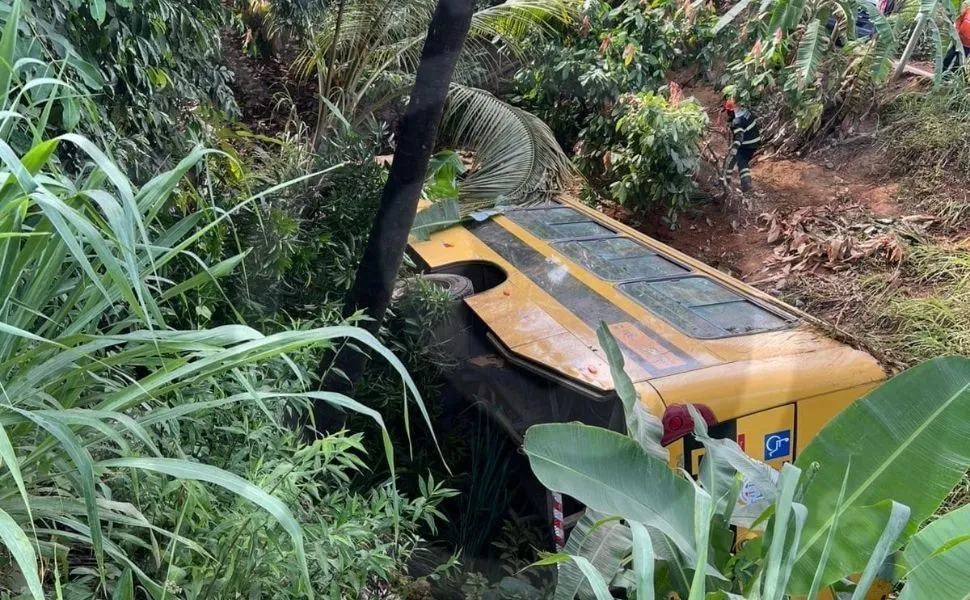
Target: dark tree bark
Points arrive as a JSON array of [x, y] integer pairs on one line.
[[388, 239]]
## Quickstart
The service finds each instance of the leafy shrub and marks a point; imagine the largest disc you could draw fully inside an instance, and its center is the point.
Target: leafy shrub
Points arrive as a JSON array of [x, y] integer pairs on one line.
[[571, 83], [154, 65], [809, 68], [842, 508], [103, 389], [589, 87], [653, 155], [301, 241], [359, 539]]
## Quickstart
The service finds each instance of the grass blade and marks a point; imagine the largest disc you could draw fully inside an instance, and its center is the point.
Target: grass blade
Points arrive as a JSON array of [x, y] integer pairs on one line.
[[19, 546], [643, 561], [85, 466], [8, 45], [898, 518], [827, 550]]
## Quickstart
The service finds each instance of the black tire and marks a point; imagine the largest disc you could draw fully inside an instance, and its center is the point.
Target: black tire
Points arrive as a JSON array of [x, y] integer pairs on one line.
[[457, 286]]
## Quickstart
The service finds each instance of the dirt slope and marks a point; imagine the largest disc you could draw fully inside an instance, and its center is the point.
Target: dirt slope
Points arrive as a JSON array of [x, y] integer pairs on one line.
[[828, 232]]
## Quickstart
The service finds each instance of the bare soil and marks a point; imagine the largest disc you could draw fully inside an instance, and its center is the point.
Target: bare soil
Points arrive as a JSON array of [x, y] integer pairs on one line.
[[828, 232]]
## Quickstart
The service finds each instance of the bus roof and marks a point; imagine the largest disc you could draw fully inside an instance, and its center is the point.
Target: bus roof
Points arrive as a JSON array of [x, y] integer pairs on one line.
[[570, 268]]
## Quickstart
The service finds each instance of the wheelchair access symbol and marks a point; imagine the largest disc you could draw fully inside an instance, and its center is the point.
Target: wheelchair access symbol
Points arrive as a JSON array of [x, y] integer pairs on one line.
[[778, 444]]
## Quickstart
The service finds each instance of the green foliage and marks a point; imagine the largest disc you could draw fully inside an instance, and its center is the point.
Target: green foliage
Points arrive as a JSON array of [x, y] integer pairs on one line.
[[304, 241], [831, 514], [604, 544], [359, 75], [804, 67], [589, 87], [572, 82], [651, 159], [899, 438], [931, 320], [102, 387], [928, 132], [936, 558], [357, 539], [154, 64]]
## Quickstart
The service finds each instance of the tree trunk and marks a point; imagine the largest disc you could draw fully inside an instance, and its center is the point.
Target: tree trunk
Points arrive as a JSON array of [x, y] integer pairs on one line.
[[374, 282]]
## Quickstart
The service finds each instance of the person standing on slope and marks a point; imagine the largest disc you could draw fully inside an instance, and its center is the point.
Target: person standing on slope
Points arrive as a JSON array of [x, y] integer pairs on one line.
[[951, 61], [745, 141]]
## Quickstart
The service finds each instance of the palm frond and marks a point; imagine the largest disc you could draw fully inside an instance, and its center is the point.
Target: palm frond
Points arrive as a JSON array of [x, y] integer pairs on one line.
[[518, 159], [513, 20], [809, 52]]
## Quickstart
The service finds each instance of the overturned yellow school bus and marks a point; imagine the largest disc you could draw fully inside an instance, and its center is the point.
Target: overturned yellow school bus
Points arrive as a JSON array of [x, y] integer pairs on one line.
[[539, 280]]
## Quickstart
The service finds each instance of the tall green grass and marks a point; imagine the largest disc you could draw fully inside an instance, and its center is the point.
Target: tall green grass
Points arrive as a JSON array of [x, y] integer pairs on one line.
[[932, 317], [91, 371]]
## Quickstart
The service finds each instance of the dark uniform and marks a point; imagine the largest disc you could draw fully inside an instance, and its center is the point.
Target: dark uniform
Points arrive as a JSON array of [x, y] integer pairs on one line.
[[744, 131]]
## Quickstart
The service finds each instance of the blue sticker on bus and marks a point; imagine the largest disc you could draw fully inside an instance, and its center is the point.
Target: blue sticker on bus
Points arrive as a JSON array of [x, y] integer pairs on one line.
[[778, 444]]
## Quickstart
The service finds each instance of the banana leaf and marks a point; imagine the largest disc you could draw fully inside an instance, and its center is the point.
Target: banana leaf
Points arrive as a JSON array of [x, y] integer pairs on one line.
[[908, 441], [610, 473], [604, 544], [938, 558]]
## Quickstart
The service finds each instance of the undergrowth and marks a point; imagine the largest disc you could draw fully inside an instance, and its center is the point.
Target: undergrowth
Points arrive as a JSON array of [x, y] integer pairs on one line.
[[928, 133], [931, 316]]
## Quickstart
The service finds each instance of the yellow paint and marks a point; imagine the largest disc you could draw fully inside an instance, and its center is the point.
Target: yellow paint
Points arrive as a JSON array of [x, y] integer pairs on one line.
[[756, 427], [695, 461], [732, 390], [676, 450], [735, 377], [793, 380], [650, 398], [751, 433], [761, 381], [815, 412]]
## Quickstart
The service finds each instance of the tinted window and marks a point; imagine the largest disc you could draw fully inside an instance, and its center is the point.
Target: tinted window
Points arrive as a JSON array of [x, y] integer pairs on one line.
[[620, 258], [703, 308], [559, 223]]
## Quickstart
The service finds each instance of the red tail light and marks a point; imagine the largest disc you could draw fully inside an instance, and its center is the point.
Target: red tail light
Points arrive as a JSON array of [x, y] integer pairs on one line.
[[677, 421]]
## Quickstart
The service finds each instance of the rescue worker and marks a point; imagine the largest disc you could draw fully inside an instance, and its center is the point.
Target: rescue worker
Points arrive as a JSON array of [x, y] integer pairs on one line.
[[951, 61], [745, 140]]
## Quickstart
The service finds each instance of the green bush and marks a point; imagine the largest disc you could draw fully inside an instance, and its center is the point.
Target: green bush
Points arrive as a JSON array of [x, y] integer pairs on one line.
[[359, 538], [127, 437], [154, 66], [651, 158], [842, 508], [572, 82], [589, 87], [304, 241]]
